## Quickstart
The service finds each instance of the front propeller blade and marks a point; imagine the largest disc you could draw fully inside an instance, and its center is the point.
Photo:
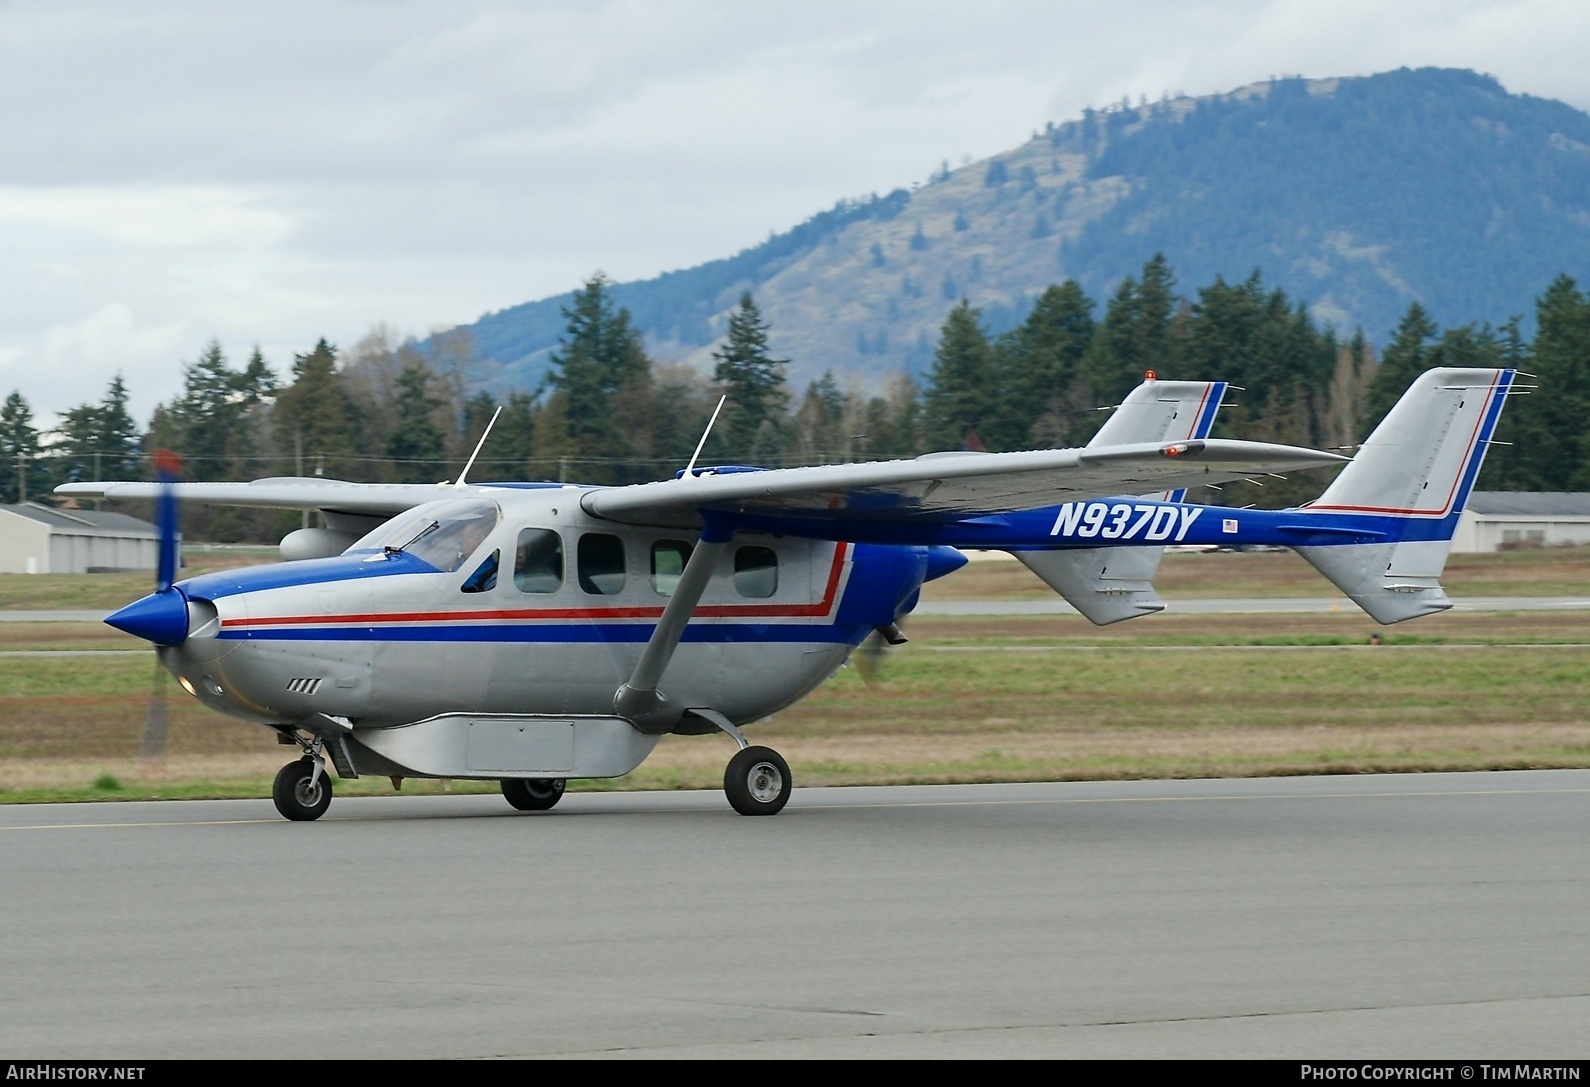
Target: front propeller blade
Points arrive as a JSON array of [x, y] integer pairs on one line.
[[168, 468], [152, 745]]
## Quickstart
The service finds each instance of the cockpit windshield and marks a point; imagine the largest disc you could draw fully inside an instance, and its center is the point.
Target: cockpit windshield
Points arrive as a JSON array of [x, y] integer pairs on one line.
[[443, 534]]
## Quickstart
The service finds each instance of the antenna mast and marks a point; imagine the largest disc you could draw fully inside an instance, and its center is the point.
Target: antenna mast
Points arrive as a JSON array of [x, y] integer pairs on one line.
[[689, 467], [478, 446]]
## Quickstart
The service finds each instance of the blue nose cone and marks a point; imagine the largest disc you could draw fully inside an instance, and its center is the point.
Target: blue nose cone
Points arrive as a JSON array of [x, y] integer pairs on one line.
[[943, 560], [160, 617]]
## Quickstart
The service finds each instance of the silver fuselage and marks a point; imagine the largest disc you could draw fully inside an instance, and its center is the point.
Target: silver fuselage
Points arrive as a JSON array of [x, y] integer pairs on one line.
[[378, 641]]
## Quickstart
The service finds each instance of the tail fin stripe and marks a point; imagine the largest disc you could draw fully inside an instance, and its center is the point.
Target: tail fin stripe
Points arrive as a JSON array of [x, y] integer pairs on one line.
[[1204, 417], [1483, 429], [1203, 423]]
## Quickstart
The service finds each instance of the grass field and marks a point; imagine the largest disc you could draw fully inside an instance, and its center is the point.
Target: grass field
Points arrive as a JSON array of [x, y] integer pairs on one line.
[[974, 699], [1541, 571]]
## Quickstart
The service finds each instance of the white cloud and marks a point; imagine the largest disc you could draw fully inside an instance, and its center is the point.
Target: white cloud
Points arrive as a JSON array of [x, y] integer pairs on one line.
[[72, 363]]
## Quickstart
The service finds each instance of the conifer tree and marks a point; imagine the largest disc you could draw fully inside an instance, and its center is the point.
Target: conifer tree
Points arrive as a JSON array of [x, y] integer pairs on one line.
[[1135, 334], [600, 353], [961, 391], [314, 417], [119, 439], [416, 445], [752, 378], [1555, 444], [19, 448], [98, 441], [818, 423], [1039, 368], [1407, 356]]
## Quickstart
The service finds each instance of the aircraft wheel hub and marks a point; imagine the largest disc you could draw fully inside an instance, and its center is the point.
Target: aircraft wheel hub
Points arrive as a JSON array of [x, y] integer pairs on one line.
[[765, 782]]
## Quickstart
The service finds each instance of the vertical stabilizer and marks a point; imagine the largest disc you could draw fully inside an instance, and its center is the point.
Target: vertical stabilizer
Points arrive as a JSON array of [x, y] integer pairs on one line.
[[1409, 483], [1108, 584]]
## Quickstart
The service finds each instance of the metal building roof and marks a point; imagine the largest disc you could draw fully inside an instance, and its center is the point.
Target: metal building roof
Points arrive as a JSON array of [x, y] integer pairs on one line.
[[1530, 503], [84, 522]]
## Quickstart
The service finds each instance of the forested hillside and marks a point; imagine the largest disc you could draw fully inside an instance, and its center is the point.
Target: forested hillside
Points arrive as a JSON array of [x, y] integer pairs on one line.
[[1357, 197], [612, 414]]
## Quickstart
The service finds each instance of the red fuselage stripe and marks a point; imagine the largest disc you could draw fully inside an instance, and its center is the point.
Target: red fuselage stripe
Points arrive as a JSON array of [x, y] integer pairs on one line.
[[1457, 480], [711, 611]]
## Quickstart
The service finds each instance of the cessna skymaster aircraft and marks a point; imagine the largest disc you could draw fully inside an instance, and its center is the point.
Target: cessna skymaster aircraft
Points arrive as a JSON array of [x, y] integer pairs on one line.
[[536, 632]]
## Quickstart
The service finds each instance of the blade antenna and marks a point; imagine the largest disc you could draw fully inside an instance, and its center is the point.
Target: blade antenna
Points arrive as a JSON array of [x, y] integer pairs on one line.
[[691, 466], [478, 446]]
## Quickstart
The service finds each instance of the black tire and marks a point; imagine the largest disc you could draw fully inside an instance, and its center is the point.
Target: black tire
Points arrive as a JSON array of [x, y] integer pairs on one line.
[[292, 794], [758, 781], [533, 794]]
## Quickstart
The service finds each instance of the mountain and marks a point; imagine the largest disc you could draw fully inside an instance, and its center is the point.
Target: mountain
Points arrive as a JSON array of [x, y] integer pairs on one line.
[[1357, 196]]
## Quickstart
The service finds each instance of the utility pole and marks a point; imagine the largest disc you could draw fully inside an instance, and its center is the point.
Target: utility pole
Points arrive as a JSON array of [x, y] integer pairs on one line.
[[22, 475], [298, 461]]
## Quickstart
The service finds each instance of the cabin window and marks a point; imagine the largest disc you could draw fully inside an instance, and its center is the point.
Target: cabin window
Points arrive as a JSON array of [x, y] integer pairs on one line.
[[756, 571], [668, 558], [538, 561], [484, 579], [601, 564]]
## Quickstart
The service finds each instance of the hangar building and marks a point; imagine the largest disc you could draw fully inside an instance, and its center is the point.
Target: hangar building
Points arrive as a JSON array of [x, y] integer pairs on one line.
[[40, 539], [1498, 519]]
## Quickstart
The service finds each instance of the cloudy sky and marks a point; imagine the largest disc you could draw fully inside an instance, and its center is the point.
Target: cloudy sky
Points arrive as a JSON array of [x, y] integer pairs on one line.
[[173, 172]]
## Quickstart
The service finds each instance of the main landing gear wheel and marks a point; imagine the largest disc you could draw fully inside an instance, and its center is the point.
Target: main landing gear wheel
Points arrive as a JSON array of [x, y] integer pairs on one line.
[[295, 797], [533, 794], [757, 781]]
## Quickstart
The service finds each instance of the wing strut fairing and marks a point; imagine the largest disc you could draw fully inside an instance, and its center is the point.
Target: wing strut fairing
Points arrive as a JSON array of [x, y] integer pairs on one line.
[[639, 699]]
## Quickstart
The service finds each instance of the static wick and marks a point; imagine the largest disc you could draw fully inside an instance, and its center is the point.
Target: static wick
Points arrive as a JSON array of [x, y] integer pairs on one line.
[[702, 443]]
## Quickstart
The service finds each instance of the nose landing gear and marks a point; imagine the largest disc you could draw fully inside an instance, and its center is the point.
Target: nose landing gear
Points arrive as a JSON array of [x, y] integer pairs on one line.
[[757, 781]]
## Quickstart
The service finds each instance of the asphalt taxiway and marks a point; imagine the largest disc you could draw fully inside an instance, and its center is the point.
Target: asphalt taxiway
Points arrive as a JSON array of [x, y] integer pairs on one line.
[[1438, 915]]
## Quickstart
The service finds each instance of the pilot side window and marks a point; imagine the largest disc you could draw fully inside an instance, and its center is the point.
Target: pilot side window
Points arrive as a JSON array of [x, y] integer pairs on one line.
[[668, 558], [484, 579], [601, 563], [538, 561], [756, 571]]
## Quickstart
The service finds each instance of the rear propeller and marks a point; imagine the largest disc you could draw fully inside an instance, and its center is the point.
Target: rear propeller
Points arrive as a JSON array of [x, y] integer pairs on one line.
[[168, 468], [875, 647]]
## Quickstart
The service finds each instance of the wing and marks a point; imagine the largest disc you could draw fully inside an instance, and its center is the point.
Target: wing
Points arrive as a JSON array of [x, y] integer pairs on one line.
[[292, 493], [944, 487]]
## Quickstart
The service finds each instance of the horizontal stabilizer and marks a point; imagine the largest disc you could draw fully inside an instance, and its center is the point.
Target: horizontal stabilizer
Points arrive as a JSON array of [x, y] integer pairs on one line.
[[1110, 584], [1106, 584]]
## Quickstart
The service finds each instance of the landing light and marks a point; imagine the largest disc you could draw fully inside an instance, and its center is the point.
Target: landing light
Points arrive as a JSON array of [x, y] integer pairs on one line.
[[187, 685]]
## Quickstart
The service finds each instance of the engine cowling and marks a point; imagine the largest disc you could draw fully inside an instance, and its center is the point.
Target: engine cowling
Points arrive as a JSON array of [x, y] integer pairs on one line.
[[315, 543]]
